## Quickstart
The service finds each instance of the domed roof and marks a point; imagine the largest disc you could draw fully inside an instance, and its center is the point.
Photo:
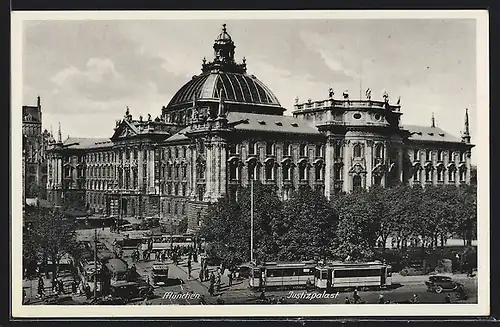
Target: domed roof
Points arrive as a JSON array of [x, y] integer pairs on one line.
[[223, 75], [236, 87]]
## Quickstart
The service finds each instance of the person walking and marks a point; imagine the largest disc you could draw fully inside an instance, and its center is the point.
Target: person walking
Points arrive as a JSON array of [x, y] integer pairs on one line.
[[207, 273], [347, 301], [220, 300], [41, 287], [356, 296], [60, 286], [189, 270], [447, 298], [201, 273], [211, 288], [218, 282], [381, 299], [230, 277]]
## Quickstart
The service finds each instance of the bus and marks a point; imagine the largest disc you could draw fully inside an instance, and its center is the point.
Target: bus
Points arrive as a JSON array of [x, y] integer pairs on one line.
[[166, 242], [282, 274], [346, 275]]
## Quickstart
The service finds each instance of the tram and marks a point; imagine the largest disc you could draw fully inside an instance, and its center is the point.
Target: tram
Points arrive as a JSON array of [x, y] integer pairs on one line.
[[342, 275], [282, 274]]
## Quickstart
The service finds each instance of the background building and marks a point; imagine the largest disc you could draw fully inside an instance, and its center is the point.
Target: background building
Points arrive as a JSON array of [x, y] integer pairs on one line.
[[35, 144], [224, 128]]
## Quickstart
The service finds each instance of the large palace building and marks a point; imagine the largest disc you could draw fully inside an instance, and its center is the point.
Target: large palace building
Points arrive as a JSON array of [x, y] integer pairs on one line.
[[224, 128]]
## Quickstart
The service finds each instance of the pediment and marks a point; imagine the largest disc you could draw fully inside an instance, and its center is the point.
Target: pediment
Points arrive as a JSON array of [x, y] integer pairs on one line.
[[357, 169], [124, 130]]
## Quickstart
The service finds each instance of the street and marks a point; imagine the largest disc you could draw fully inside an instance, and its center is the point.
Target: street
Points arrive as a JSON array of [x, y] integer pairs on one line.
[[180, 286]]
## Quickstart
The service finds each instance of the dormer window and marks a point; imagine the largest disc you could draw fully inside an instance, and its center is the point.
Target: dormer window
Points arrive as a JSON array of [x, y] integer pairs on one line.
[[295, 124], [278, 123], [431, 134], [261, 122]]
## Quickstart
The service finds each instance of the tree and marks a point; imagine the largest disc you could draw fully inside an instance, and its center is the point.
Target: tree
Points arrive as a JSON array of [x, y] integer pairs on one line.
[[54, 234], [355, 234], [466, 213], [306, 230]]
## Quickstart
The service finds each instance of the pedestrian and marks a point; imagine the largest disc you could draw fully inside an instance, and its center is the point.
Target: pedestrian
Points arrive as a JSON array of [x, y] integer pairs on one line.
[[218, 283], [207, 275], [414, 299], [447, 298], [189, 272], [356, 296], [230, 276], [41, 286], [60, 287], [381, 299], [211, 288], [212, 278], [87, 291], [201, 273], [54, 285], [24, 296], [347, 301], [74, 287], [308, 284]]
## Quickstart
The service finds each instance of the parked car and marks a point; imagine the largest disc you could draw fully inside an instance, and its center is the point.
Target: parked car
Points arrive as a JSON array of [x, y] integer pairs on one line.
[[441, 283]]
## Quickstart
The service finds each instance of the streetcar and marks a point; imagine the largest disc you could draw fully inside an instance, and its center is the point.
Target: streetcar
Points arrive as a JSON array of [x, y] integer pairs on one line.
[[282, 274], [346, 275], [166, 242]]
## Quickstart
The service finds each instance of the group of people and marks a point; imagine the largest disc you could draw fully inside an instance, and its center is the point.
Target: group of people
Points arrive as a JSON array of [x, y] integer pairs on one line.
[[57, 287]]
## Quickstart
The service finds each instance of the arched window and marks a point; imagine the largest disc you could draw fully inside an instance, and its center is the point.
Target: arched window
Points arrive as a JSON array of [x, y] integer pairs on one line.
[[379, 151], [463, 155], [462, 174], [416, 175], [440, 155], [428, 175], [416, 155], [302, 172], [318, 172], [233, 170], [184, 171], [356, 182], [287, 149], [252, 148], [270, 170], [184, 152], [269, 148], [233, 148], [303, 150], [287, 171], [357, 151], [338, 150], [338, 172], [377, 180], [439, 175], [183, 189], [428, 155], [176, 189], [319, 150], [451, 174], [176, 152]]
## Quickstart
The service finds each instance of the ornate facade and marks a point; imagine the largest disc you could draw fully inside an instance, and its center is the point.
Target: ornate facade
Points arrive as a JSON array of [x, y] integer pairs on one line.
[[224, 128], [35, 142]]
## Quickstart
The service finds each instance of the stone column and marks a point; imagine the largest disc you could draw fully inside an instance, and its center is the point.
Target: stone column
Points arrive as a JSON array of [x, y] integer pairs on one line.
[[140, 173], [369, 163], [347, 166], [208, 171], [400, 162], [244, 169], [223, 169], [468, 165]]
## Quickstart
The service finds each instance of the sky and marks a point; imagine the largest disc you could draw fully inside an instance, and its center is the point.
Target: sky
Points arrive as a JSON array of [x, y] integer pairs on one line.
[[87, 71]]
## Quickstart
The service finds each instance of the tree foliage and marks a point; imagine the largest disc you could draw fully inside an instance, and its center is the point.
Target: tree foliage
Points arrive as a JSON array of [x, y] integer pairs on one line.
[[53, 234]]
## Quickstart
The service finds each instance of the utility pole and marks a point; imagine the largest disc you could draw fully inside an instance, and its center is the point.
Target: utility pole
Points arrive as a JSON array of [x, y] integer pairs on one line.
[[95, 263], [251, 219]]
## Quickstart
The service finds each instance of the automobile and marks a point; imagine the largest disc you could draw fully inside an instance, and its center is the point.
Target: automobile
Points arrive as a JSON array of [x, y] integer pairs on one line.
[[127, 227], [107, 300], [129, 291], [439, 284], [159, 273]]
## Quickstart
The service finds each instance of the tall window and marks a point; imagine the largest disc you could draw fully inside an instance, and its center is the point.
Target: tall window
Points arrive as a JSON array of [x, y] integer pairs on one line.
[[318, 172], [302, 172], [439, 175], [233, 148], [357, 151], [287, 149], [440, 155], [233, 170], [338, 150], [252, 148], [462, 174], [356, 182], [450, 156], [463, 155], [176, 152], [379, 151], [127, 154], [287, 172], [201, 171], [270, 171], [428, 175], [319, 150], [135, 154], [184, 152], [183, 189], [145, 155], [184, 171], [416, 155], [176, 189], [428, 155], [338, 172], [451, 174], [169, 171], [416, 175], [253, 171], [269, 148], [303, 150]]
